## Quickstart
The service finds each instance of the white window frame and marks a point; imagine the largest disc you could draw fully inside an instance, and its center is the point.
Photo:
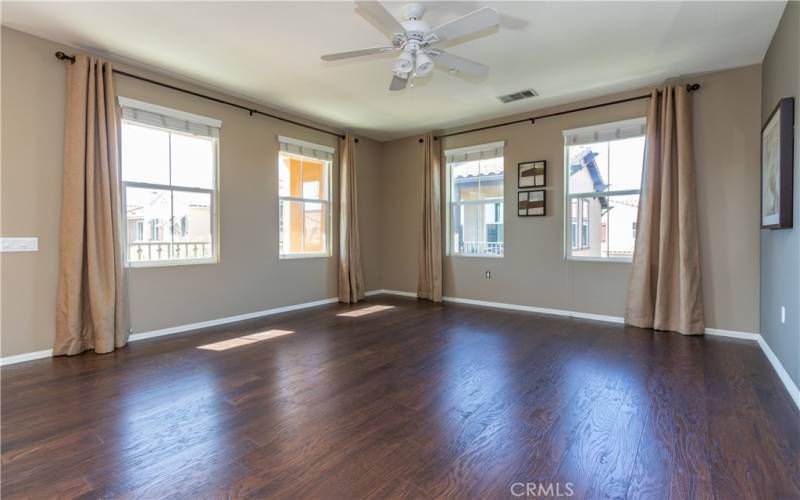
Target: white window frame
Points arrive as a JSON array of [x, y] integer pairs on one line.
[[213, 192], [467, 151], [625, 129], [327, 202]]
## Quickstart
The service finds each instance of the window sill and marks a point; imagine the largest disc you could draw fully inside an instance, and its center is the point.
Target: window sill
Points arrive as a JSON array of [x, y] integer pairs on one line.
[[294, 256], [170, 263], [610, 260]]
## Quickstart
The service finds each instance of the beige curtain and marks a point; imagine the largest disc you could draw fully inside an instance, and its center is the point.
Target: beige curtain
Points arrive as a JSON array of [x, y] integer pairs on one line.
[[91, 312], [429, 285], [351, 279], [665, 291]]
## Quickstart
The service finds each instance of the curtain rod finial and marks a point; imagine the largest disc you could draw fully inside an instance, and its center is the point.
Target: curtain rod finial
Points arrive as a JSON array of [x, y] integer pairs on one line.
[[692, 87], [64, 57]]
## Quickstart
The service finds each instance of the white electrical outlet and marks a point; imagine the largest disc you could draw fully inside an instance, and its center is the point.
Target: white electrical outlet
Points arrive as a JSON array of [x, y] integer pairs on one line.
[[19, 244], [783, 314]]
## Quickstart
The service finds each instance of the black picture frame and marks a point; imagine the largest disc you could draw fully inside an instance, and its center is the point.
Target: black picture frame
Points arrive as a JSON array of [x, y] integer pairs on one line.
[[531, 166], [777, 166], [527, 207]]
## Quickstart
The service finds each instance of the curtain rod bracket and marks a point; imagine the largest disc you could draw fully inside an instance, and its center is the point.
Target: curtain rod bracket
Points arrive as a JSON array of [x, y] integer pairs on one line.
[[64, 57]]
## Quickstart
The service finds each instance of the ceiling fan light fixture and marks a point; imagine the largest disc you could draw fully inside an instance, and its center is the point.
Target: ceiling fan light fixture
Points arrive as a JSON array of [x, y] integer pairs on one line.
[[424, 64], [404, 62]]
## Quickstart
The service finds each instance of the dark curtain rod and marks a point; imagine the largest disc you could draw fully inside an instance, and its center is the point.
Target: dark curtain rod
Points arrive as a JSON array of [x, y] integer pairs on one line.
[[691, 87], [64, 57]]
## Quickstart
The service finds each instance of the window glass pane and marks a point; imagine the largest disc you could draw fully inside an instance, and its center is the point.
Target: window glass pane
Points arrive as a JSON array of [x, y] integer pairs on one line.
[[192, 225], [291, 227], [147, 214], [574, 224], [289, 172], [314, 227], [314, 179], [588, 167], [192, 161], [284, 174], [303, 227], [491, 177], [626, 158], [606, 232], [477, 229], [145, 154], [464, 178]]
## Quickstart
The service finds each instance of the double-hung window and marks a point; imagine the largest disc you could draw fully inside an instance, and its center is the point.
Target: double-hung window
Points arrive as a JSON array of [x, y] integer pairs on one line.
[[475, 199], [304, 176], [604, 172], [169, 185]]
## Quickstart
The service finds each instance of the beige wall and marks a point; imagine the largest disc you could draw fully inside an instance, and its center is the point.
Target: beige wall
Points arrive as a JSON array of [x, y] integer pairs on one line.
[[534, 271], [249, 276]]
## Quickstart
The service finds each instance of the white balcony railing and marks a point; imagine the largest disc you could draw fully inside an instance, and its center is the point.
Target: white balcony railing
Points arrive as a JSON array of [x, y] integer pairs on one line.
[[482, 248], [154, 250]]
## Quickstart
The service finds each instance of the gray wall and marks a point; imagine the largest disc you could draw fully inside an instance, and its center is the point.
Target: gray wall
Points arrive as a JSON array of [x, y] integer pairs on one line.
[[249, 276], [780, 249], [534, 272]]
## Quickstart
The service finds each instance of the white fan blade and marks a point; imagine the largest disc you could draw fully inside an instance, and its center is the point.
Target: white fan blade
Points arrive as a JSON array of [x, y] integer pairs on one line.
[[478, 20], [398, 83], [460, 64], [386, 21], [356, 53]]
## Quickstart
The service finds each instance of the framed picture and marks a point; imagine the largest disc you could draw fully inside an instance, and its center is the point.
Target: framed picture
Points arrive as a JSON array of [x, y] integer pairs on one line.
[[531, 203], [777, 151], [531, 174]]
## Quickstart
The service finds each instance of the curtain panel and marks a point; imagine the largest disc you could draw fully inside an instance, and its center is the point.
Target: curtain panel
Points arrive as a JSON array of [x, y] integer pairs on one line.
[[92, 310], [665, 291], [351, 278], [429, 283]]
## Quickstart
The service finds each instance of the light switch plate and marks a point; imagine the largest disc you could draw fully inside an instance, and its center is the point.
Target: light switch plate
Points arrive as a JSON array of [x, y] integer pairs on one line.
[[19, 244]]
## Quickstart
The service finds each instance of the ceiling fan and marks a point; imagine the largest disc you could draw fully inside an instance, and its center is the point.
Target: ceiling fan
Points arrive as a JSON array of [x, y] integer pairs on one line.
[[415, 41]]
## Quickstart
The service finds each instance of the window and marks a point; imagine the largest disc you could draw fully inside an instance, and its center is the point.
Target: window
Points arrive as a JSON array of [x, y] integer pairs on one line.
[[476, 200], [169, 185], [604, 171], [304, 173]]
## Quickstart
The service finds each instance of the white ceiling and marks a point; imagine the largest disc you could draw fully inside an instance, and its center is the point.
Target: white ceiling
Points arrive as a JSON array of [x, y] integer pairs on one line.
[[269, 52]]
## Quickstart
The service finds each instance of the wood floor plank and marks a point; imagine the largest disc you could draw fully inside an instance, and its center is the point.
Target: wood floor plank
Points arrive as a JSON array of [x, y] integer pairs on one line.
[[416, 401]]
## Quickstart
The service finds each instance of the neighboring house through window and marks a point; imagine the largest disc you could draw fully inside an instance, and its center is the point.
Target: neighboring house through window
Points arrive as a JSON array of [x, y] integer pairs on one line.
[[604, 172], [169, 184]]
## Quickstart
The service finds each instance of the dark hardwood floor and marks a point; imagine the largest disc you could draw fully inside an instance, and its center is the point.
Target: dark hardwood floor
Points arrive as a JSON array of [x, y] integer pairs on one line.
[[418, 400]]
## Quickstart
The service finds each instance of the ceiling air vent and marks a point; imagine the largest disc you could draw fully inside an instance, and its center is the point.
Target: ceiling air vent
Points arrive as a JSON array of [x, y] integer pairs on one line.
[[516, 96]]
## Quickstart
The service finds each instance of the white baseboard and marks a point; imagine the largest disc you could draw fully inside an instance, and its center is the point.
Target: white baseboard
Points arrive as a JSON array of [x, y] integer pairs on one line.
[[393, 292], [732, 334], [229, 319], [791, 387], [28, 356], [794, 392]]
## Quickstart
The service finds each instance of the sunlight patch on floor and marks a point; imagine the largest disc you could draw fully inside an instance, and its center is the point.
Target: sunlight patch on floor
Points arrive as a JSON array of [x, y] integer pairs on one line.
[[244, 340], [363, 312]]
